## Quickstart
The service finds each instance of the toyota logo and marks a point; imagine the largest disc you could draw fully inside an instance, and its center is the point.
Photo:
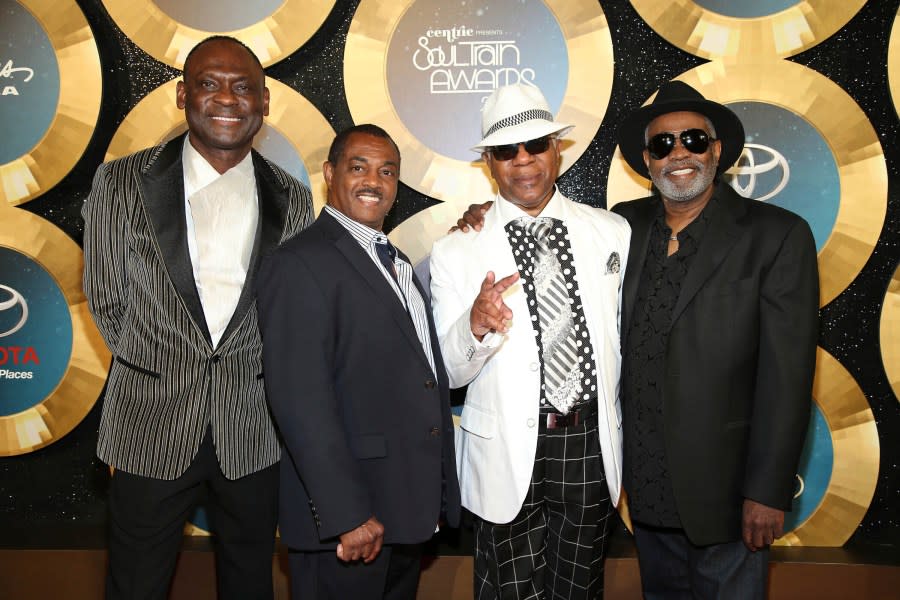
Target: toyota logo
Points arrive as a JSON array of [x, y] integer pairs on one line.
[[10, 304], [748, 167]]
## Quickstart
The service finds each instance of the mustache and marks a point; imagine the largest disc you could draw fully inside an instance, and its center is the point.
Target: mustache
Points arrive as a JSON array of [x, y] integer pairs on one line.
[[370, 191]]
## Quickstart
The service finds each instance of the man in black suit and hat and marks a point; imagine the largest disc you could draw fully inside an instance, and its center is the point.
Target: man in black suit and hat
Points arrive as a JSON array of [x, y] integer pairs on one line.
[[719, 328]]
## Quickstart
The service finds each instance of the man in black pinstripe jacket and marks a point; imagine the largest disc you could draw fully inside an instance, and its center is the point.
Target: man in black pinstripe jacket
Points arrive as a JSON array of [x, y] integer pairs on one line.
[[173, 238]]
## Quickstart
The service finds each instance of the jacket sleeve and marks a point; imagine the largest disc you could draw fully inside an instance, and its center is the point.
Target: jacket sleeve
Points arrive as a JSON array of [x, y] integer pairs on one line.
[[297, 323], [788, 331], [300, 212], [105, 278], [464, 356]]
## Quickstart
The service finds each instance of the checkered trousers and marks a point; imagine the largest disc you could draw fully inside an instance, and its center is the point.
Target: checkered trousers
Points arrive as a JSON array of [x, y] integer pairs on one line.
[[553, 549]]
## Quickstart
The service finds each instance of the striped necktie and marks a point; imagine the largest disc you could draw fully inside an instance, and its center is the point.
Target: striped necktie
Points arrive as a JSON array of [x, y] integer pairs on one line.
[[562, 373]]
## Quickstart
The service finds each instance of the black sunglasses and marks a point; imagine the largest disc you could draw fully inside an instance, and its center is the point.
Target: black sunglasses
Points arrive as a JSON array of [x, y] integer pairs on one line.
[[695, 141], [509, 151]]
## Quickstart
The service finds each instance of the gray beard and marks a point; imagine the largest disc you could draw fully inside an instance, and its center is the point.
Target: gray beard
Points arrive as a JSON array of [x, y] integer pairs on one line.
[[684, 193]]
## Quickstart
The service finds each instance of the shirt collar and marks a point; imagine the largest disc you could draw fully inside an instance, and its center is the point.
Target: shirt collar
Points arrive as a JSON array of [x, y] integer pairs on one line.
[[198, 173], [365, 235], [507, 211], [696, 227]]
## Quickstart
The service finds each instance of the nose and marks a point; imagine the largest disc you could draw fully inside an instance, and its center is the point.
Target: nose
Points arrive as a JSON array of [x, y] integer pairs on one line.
[[678, 149], [224, 95], [522, 156], [370, 179]]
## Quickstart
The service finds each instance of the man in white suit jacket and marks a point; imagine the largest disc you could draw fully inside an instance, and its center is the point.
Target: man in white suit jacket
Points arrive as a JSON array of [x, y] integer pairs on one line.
[[539, 454]]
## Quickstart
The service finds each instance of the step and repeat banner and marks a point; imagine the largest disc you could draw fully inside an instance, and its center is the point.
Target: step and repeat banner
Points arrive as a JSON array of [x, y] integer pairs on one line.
[[88, 81]]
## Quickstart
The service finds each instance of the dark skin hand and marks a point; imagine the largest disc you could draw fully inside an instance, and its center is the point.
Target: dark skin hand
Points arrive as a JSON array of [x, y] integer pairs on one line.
[[489, 311], [760, 525], [474, 217], [362, 543]]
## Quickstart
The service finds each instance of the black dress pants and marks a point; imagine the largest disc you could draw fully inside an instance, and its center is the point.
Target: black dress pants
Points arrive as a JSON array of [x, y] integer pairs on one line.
[[146, 528], [393, 575]]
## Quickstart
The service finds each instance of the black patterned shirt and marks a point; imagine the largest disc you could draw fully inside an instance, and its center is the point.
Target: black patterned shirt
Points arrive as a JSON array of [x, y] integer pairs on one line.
[[650, 497]]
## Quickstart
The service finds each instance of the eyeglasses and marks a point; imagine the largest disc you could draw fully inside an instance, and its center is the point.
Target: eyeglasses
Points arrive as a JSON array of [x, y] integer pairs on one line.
[[695, 141], [509, 151]]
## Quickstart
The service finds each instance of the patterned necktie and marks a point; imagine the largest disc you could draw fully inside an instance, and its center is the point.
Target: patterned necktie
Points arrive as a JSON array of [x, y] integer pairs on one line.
[[386, 254], [562, 373]]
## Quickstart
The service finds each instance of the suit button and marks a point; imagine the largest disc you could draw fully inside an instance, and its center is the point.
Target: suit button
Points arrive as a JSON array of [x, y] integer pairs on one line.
[[530, 422], [215, 358], [429, 384], [434, 431]]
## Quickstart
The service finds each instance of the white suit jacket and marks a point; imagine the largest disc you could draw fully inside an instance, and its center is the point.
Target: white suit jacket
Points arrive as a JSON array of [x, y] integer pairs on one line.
[[497, 440]]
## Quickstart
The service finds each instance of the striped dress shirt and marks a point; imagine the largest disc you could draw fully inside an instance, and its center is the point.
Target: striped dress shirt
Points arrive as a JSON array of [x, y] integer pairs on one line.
[[406, 291]]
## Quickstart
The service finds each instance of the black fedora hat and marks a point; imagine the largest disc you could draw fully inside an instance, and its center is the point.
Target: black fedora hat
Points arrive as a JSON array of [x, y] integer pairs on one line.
[[676, 96]]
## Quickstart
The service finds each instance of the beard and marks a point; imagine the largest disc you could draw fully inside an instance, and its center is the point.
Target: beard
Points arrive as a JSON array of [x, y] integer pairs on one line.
[[684, 192]]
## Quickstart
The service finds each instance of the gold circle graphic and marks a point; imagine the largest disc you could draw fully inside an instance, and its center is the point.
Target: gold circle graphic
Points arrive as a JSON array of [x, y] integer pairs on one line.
[[893, 62], [156, 118], [167, 40], [458, 182], [854, 438], [890, 332], [81, 384], [589, 47], [80, 85], [712, 35], [838, 119]]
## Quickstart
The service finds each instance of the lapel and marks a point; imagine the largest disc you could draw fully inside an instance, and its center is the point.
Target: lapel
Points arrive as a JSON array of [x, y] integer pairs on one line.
[[640, 222], [721, 234], [363, 264], [163, 198], [273, 204]]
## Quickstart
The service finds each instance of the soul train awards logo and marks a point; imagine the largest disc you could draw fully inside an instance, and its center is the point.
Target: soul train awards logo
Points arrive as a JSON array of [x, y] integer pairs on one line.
[[443, 61], [469, 67]]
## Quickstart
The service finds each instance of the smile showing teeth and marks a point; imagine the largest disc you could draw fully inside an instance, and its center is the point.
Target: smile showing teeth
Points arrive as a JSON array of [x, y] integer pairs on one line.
[[226, 119], [680, 172], [367, 198]]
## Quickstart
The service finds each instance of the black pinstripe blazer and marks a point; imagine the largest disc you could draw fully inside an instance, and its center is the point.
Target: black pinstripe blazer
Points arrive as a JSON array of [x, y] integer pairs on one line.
[[167, 383]]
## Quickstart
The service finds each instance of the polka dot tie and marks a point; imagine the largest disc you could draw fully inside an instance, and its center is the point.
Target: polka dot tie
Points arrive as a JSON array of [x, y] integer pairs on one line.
[[542, 253]]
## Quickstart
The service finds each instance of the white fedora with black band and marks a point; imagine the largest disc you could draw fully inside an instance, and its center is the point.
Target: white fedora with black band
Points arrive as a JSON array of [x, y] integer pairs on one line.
[[516, 113]]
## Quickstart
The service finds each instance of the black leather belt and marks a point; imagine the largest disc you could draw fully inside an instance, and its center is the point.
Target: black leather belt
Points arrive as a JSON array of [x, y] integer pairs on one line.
[[583, 414]]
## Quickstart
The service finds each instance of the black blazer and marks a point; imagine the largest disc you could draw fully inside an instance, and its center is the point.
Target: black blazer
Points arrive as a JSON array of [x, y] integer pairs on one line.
[[739, 362], [365, 422]]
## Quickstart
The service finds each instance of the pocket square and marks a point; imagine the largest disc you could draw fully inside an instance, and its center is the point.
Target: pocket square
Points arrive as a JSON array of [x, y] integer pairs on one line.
[[612, 265]]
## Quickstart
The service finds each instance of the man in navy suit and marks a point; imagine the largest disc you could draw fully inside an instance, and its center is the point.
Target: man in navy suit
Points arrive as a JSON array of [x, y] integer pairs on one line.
[[358, 389]]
